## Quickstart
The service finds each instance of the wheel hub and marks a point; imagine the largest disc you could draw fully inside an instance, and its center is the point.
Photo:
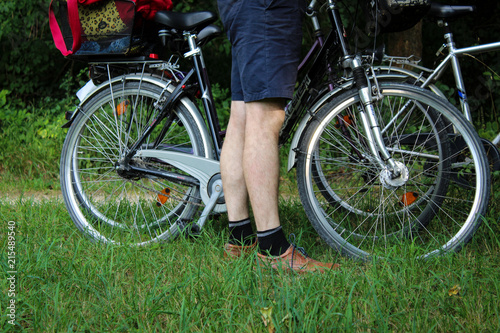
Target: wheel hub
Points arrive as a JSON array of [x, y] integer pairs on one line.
[[390, 182], [125, 172]]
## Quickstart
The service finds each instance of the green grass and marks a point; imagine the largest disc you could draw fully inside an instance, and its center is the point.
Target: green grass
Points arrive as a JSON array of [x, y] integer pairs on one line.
[[67, 283]]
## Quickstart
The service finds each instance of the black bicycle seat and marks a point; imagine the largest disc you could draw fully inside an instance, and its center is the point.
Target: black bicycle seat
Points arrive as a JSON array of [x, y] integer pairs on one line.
[[442, 11], [185, 21]]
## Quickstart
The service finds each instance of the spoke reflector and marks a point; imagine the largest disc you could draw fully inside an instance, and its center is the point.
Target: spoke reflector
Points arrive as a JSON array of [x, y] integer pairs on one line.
[[408, 198], [122, 108], [163, 198]]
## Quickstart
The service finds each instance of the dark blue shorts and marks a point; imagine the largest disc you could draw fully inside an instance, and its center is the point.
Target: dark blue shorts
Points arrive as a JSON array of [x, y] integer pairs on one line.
[[266, 37]]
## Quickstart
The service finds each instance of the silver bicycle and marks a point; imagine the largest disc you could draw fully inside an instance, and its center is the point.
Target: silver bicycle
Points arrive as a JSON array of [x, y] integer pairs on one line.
[[408, 67]]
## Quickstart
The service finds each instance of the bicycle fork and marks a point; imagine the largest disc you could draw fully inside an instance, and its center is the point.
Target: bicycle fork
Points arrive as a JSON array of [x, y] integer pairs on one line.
[[393, 173]]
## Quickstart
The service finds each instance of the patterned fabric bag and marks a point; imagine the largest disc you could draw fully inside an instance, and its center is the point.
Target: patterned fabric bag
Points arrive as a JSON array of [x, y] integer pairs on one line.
[[90, 27]]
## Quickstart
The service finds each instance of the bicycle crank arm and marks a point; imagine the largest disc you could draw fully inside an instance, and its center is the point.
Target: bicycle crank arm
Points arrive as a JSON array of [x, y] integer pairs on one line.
[[209, 206], [201, 168]]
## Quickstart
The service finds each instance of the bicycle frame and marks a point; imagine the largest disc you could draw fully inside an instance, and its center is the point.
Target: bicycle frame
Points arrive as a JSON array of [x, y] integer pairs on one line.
[[451, 58], [359, 79], [141, 161]]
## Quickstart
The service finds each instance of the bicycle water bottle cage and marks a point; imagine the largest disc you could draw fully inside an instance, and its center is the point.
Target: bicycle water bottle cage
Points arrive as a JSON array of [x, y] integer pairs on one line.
[[440, 11], [194, 21]]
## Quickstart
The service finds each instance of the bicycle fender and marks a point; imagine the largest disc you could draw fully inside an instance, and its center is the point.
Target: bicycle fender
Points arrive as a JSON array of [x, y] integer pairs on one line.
[[292, 155], [186, 102], [89, 90], [398, 73]]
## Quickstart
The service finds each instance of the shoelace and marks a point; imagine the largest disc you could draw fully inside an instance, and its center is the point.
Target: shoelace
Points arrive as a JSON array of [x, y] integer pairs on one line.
[[291, 239]]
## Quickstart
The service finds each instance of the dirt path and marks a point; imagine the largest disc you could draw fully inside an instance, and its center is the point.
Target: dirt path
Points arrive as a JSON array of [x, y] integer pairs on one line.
[[12, 197]]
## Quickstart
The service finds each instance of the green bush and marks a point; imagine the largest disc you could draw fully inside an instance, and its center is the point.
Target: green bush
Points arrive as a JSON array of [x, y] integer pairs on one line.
[[31, 65], [31, 136]]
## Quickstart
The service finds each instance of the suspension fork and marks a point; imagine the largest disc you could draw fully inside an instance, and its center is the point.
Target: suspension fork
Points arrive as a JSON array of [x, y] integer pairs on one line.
[[369, 120], [366, 112]]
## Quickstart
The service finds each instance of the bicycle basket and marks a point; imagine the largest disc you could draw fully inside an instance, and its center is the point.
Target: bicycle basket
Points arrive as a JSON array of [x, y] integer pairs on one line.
[[103, 27], [394, 15]]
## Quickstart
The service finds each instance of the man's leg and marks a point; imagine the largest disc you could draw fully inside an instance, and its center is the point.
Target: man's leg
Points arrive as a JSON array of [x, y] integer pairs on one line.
[[250, 162], [231, 164], [250, 168], [261, 160], [261, 169], [241, 234]]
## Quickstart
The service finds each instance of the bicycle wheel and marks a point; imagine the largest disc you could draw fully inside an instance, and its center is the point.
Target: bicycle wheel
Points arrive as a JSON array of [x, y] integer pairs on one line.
[[110, 204], [355, 206], [441, 147]]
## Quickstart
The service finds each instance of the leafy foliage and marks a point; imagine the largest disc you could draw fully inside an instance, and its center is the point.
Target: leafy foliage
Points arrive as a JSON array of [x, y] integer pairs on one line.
[[31, 67]]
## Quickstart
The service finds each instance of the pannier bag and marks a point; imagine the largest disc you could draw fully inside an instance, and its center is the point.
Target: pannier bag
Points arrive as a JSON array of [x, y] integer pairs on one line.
[[98, 27], [394, 15]]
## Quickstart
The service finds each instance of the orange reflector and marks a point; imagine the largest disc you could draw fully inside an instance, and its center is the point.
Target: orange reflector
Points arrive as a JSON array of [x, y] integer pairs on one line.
[[122, 108], [163, 198], [408, 198], [347, 120]]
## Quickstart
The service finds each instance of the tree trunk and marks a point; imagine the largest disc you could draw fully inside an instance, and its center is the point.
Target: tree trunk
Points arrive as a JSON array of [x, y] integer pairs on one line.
[[406, 43]]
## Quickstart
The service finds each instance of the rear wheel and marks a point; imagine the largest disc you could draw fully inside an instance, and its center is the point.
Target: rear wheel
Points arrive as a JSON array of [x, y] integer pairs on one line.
[[355, 205], [113, 203]]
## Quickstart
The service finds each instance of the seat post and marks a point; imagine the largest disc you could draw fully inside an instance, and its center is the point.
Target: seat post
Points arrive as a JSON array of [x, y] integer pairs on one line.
[[457, 72]]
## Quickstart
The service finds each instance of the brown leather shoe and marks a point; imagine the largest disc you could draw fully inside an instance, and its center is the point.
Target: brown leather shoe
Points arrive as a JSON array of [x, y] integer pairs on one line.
[[294, 260], [235, 251]]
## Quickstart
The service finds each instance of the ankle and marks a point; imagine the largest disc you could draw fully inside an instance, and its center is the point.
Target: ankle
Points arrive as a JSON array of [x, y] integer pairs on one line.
[[272, 242], [241, 232]]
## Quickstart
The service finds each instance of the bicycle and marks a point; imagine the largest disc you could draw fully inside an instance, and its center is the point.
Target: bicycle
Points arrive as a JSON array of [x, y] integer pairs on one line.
[[403, 171], [409, 69]]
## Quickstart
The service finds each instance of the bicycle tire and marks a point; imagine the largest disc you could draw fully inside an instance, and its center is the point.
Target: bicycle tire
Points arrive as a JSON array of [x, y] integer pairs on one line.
[[368, 217], [117, 206]]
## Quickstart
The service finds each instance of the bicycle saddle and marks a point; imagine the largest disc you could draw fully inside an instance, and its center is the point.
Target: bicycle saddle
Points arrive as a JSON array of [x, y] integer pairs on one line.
[[442, 11], [185, 21]]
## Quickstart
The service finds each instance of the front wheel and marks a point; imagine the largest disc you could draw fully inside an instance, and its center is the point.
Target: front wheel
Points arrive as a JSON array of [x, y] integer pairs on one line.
[[356, 207]]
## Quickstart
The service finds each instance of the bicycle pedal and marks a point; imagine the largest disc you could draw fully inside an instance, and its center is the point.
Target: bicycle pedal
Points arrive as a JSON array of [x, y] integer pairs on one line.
[[195, 230], [188, 229]]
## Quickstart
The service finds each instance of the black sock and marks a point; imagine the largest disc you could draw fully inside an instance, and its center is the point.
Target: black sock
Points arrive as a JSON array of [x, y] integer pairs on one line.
[[241, 232], [272, 241]]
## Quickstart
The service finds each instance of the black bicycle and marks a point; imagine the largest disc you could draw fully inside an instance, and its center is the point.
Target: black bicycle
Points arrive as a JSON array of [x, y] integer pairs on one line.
[[383, 169]]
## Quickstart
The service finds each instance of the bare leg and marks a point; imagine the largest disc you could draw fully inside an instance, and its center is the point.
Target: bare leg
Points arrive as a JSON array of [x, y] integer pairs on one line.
[[261, 160], [235, 190], [250, 169], [250, 161]]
